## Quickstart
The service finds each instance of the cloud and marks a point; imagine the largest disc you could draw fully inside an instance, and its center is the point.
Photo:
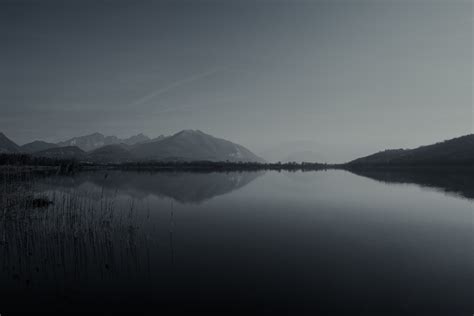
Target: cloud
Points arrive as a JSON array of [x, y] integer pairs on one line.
[[156, 93]]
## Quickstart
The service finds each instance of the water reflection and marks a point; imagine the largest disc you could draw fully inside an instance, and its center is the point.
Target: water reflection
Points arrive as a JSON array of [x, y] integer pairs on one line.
[[329, 243], [183, 187], [455, 182]]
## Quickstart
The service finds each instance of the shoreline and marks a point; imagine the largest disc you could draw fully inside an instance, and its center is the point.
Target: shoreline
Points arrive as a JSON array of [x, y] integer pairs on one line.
[[227, 167]]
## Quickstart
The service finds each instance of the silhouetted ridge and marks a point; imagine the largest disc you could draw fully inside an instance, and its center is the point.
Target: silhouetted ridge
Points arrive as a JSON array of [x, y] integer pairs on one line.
[[67, 152], [456, 151], [36, 146]]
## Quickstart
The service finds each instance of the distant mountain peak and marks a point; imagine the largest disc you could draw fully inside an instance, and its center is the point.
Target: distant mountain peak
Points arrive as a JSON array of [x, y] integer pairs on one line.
[[190, 132], [95, 134], [96, 140], [192, 145], [136, 139]]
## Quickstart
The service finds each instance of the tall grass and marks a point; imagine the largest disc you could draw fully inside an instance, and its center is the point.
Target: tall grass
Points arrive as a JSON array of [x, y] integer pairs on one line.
[[66, 237]]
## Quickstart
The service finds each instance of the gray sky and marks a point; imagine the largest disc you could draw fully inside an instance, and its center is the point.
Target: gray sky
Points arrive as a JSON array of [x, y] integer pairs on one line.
[[350, 76]]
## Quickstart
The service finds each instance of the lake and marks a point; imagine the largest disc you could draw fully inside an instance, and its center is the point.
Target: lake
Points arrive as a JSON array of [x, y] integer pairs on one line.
[[324, 242]]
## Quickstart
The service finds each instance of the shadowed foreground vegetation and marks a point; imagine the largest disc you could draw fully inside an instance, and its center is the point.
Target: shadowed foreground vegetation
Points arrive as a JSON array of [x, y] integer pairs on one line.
[[54, 240], [26, 161]]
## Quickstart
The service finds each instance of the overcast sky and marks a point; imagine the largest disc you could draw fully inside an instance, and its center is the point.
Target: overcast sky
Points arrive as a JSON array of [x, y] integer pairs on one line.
[[354, 74]]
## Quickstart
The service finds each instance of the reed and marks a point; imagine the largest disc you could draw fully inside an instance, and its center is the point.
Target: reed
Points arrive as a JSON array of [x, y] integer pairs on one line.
[[64, 237]]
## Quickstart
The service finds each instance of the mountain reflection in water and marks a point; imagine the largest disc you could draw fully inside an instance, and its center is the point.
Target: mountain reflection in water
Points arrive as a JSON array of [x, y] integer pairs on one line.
[[183, 187], [293, 243], [459, 182]]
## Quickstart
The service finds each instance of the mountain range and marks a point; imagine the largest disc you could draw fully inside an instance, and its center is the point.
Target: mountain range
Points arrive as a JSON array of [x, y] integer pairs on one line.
[[97, 140], [187, 145], [194, 145]]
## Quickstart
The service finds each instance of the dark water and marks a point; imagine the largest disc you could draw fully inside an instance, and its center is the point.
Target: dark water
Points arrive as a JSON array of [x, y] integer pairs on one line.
[[315, 243]]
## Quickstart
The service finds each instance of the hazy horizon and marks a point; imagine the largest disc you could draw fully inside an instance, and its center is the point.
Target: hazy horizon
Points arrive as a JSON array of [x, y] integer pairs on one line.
[[340, 78]]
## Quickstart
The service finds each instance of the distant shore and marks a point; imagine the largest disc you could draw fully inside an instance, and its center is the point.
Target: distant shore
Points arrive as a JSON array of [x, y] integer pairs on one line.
[[25, 163]]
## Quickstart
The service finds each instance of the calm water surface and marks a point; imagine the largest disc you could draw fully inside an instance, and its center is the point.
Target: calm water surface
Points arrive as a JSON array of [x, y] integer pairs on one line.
[[328, 242]]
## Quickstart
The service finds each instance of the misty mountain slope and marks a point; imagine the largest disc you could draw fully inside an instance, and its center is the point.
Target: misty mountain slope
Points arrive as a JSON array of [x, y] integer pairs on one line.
[[7, 145], [304, 156], [137, 139], [111, 154], [36, 146], [458, 150], [67, 152], [193, 145], [295, 150]]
